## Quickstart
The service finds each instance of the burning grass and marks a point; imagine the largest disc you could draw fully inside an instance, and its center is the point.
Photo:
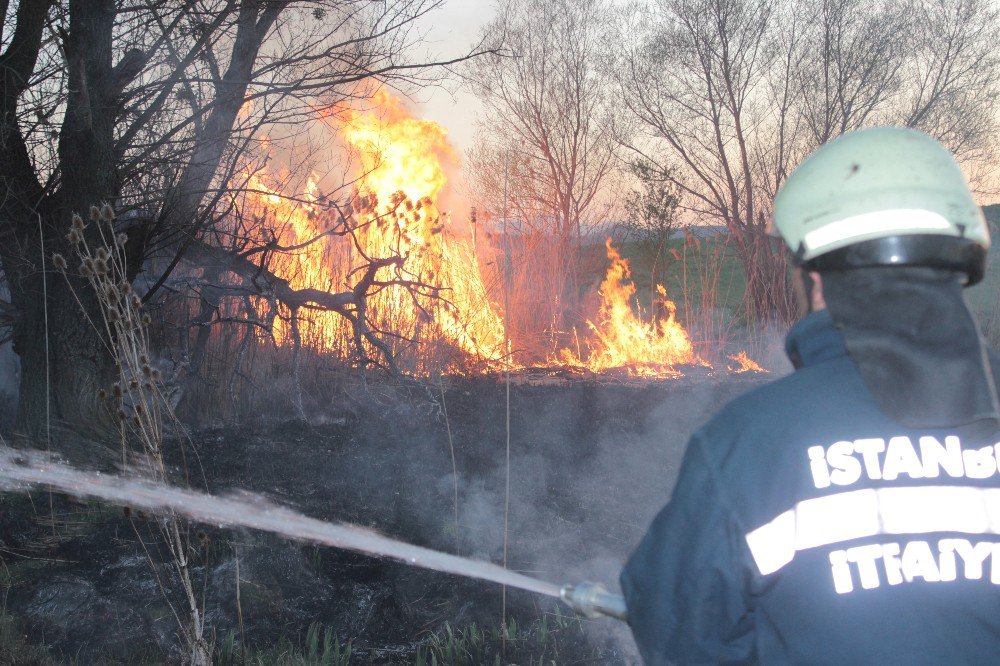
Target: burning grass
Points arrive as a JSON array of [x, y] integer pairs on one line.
[[440, 307], [620, 339], [435, 294]]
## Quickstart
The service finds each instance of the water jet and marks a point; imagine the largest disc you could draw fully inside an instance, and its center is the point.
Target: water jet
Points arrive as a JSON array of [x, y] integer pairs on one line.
[[21, 471]]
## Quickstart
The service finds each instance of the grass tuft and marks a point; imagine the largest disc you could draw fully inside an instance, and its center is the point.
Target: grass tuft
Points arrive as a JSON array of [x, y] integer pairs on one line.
[[553, 639], [321, 647], [15, 650]]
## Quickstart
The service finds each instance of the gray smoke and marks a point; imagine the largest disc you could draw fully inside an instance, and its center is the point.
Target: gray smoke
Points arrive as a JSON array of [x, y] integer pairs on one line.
[[578, 508]]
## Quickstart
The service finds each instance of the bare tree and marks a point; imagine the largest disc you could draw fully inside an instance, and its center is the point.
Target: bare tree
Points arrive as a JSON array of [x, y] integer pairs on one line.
[[694, 81], [951, 78], [851, 66], [736, 92], [546, 133], [154, 107]]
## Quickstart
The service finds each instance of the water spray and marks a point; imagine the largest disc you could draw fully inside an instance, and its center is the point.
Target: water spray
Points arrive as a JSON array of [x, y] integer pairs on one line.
[[21, 471]]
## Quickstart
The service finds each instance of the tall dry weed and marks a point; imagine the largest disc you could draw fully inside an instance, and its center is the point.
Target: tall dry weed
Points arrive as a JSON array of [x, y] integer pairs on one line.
[[135, 402]]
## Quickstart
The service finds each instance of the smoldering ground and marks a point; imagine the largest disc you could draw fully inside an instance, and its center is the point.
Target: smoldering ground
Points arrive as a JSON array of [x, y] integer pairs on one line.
[[590, 464]]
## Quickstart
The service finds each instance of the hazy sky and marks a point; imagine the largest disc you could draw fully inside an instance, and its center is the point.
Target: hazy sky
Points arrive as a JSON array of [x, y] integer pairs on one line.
[[451, 30]]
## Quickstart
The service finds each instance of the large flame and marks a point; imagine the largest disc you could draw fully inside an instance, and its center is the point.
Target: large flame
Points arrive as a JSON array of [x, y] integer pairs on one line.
[[404, 162], [400, 163]]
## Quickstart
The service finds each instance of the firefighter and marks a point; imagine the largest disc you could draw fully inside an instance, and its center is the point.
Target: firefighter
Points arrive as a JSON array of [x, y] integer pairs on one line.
[[848, 513]]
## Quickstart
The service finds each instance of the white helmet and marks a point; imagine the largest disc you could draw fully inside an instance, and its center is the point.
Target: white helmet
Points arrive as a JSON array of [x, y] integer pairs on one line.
[[883, 196]]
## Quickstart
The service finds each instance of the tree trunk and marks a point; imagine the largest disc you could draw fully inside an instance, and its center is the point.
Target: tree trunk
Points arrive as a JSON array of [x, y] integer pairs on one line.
[[77, 360], [59, 386]]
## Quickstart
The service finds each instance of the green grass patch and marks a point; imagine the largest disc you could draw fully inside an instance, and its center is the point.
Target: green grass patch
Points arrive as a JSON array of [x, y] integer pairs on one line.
[[321, 647], [554, 639]]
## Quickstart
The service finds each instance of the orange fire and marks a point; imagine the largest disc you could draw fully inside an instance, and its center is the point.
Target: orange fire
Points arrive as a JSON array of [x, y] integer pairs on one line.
[[745, 364], [404, 162], [401, 163], [623, 341], [401, 171]]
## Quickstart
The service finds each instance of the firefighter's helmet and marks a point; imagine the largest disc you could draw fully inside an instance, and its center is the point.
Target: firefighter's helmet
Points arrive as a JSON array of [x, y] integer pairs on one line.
[[882, 196]]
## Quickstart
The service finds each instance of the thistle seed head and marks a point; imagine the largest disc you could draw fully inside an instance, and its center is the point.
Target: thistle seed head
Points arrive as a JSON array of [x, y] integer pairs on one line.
[[146, 320], [136, 302], [116, 390], [74, 237], [87, 268], [143, 359], [111, 293], [95, 213], [121, 414], [138, 408], [121, 239], [59, 262], [102, 394], [107, 213], [102, 253], [77, 222], [156, 375], [113, 315], [101, 267], [133, 384]]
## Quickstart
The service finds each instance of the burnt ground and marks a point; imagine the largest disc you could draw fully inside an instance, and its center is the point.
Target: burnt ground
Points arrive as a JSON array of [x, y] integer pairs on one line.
[[591, 463]]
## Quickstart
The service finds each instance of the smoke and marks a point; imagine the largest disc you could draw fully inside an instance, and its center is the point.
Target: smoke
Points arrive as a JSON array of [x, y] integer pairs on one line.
[[590, 466]]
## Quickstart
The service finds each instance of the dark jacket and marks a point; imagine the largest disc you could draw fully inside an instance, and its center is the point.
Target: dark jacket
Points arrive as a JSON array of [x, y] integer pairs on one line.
[[808, 527]]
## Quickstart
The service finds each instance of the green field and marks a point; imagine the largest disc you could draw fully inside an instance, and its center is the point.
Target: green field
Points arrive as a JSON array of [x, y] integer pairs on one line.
[[686, 279]]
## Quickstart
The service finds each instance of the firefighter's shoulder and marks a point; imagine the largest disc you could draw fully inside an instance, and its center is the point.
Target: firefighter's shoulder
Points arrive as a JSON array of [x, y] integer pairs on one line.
[[814, 401]]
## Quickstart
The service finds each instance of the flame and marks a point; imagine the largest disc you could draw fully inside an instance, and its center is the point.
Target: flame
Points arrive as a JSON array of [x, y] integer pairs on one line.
[[745, 364], [401, 173], [402, 166], [622, 340], [403, 160]]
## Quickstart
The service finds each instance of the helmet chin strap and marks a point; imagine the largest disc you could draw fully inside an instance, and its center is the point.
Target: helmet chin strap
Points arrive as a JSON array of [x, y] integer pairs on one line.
[[916, 344]]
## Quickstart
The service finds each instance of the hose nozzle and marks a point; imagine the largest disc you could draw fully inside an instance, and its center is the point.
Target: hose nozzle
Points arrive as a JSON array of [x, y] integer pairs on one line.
[[593, 600]]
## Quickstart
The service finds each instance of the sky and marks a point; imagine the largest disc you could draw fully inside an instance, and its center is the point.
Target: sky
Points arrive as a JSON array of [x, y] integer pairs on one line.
[[451, 29]]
